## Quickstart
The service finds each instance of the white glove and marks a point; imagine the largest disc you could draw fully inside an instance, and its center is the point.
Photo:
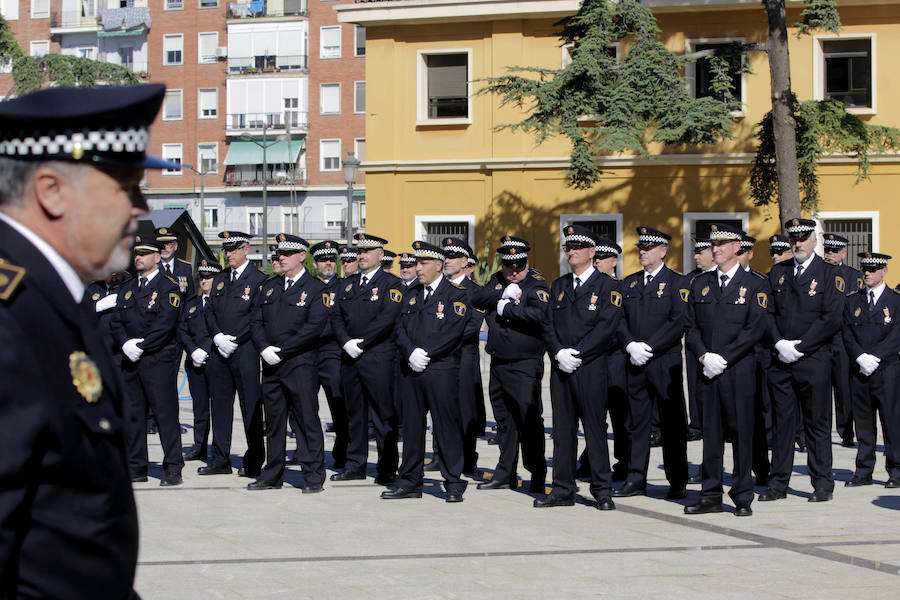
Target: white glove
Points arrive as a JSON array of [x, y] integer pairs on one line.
[[106, 303], [418, 360], [198, 357], [787, 352], [511, 292], [567, 360], [352, 347], [501, 305], [867, 363], [270, 355], [713, 364], [640, 353], [225, 343], [131, 350]]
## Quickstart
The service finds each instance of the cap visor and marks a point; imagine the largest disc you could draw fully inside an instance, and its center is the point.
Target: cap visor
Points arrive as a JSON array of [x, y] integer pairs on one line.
[[155, 162]]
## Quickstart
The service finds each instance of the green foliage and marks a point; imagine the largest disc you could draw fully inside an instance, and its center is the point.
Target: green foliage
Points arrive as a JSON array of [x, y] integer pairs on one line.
[[823, 127], [604, 106], [818, 14], [483, 268]]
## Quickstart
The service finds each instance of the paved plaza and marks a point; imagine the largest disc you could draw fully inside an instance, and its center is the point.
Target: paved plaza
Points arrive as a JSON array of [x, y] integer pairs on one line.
[[211, 538]]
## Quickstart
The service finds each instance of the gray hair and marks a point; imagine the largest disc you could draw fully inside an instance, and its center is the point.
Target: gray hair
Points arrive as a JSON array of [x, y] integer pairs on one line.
[[16, 176]]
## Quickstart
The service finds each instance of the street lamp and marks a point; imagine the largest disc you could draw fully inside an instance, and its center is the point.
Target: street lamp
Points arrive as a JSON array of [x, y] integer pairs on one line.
[[265, 145], [201, 173], [351, 166]]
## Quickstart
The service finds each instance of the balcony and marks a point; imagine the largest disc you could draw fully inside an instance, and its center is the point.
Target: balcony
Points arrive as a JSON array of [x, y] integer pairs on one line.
[[245, 178], [269, 63], [295, 120], [74, 21], [259, 9], [125, 21]]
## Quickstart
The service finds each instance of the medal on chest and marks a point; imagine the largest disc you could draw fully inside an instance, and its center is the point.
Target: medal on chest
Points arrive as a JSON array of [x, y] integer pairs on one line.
[[302, 301], [633, 283], [857, 312], [742, 293], [128, 294], [781, 279], [662, 287], [812, 287], [182, 283], [152, 300], [246, 295], [704, 291], [85, 377], [440, 310], [374, 297], [593, 304], [887, 316]]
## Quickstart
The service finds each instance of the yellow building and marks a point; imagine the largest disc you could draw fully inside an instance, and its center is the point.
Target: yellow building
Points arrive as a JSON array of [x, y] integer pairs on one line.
[[435, 165]]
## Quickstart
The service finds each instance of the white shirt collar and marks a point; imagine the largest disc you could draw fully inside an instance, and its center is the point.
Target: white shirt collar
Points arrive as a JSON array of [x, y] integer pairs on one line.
[[151, 275], [370, 274], [876, 290], [294, 279], [240, 269], [459, 279], [63, 269], [805, 263], [434, 284], [655, 271], [731, 273], [584, 276], [171, 263]]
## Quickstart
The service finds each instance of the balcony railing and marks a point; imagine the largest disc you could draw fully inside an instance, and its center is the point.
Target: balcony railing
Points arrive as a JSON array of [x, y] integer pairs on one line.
[[268, 63], [258, 9], [247, 178], [297, 120], [74, 18]]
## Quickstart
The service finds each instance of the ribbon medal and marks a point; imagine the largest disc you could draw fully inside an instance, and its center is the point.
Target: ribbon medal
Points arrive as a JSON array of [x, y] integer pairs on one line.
[[659, 292], [781, 279], [593, 305], [440, 310], [374, 297], [741, 296], [302, 301], [887, 316], [152, 300], [182, 283], [812, 287], [246, 295]]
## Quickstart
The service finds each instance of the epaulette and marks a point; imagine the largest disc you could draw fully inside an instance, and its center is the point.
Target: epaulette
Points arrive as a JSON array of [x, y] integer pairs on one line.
[[758, 274], [456, 285], [896, 290], [830, 262], [184, 261], [172, 279], [857, 291], [537, 275], [10, 277]]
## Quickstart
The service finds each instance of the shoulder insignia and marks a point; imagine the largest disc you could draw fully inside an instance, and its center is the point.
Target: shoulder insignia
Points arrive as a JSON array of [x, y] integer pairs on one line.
[[174, 299], [128, 294], [193, 310], [349, 287], [96, 296], [172, 279], [857, 291], [499, 286], [758, 274], [895, 290], [860, 283], [10, 277], [459, 308], [326, 299], [259, 289], [537, 275], [839, 284], [221, 285], [685, 294], [182, 260], [269, 292], [830, 262], [762, 299], [615, 298], [542, 295], [456, 285], [396, 295], [412, 300]]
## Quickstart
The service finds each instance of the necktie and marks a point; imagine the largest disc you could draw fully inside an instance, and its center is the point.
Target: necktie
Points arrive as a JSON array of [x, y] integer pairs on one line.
[[142, 282], [288, 283], [871, 300], [577, 283], [234, 275], [204, 301], [168, 269], [724, 279], [427, 292], [648, 280], [799, 272], [363, 281]]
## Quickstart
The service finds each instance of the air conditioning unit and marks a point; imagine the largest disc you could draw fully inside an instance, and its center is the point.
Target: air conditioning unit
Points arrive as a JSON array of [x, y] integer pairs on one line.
[[221, 51]]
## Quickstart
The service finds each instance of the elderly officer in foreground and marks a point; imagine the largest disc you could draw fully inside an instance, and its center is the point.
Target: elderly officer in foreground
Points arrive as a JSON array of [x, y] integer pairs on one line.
[[71, 161], [429, 337]]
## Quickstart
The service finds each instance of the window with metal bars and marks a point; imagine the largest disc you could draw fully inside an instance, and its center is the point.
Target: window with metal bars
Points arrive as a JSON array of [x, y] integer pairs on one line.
[[858, 233], [435, 232]]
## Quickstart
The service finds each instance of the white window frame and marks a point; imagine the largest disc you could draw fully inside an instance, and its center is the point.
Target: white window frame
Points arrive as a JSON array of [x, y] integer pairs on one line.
[[322, 156], [200, 114], [40, 15], [569, 218], [840, 215], [38, 43], [689, 218], [422, 88], [420, 225], [214, 4], [205, 221], [215, 149], [207, 59], [330, 84], [356, 142], [10, 10], [819, 67], [180, 157], [356, 85], [166, 5], [165, 52], [690, 69], [355, 37], [322, 54], [342, 207], [254, 210], [180, 94], [286, 213]]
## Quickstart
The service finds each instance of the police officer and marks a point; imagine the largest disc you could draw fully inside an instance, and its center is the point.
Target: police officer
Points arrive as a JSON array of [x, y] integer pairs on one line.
[[725, 321], [836, 253], [780, 248], [873, 341], [655, 299], [429, 335], [325, 255], [471, 392], [349, 261], [68, 524], [703, 260], [587, 308], [291, 313], [145, 328], [363, 320], [103, 295], [517, 309], [194, 336], [808, 303], [407, 262], [234, 365], [387, 261], [179, 270]]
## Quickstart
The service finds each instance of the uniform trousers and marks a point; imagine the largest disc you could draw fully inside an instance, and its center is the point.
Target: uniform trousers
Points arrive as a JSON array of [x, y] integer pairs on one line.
[[369, 392], [435, 390], [617, 401], [574, 396], [877, 393], [806, 385], [762, 416], [198, 383], [728, 402], [840, 383], [471, 396], [292, 386], [659, 379], [237, 373], [149, 382], [515, 390], [695, 410], [329, 363]]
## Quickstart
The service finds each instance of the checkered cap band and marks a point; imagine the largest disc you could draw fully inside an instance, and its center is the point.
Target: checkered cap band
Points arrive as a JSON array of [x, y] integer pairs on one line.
[[471, 260], [348, 255], [234, 240], [208, 269], [577, 238], [702, 245], [747, 244], [407, 261], [606, 250], [734, 236], [53, 144], [873, 261], [325, 252], [295, 246], [652, 239], [369, 243], [779, 244], [800, 229], [457, 250], [427, 253], [513, 257], [515, 243], [835, 243]]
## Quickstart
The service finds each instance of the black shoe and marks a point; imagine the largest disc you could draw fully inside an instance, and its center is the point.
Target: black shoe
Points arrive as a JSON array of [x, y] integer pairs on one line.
[[820, 496], [551, 500], [801, 447], [454, 497], [312, 489], [743, 511], [292, 460], [247, 473], [848, 442], [194, 455], [606, 503], [339, 466], [694, 436], [400, 494], [893, 482], [858, 481], [329, 428], [697, 478], [493, 441], [434, 465], [214, 471], [152, 429], [631, 489], [676, 492], [772, 494], [264, 485], [347, 476], [385, 480], [703, 507], [494, 484], [291, 434], [183, 429], [655, 440], [139, 479], [171, 479]]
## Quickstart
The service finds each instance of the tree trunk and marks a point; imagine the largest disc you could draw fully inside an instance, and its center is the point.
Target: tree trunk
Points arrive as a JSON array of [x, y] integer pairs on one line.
[[783, 124]]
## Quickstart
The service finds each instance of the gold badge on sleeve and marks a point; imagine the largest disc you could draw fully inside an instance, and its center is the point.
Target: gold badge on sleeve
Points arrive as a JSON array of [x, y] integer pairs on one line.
[[86, 376]]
